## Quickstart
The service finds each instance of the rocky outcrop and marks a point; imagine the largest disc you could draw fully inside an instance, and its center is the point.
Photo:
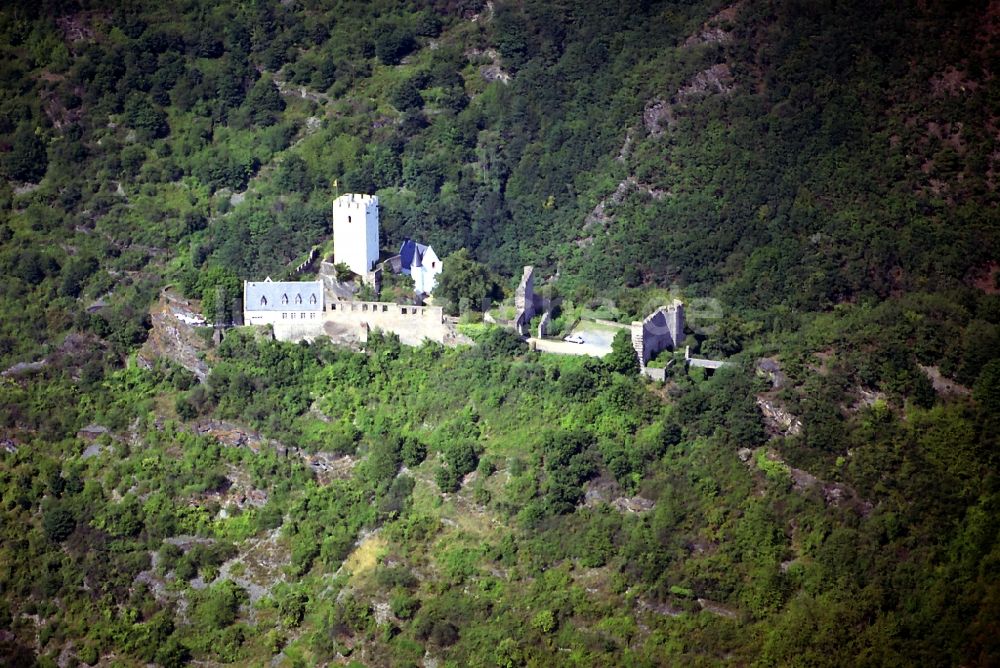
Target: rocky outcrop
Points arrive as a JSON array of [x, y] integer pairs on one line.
[[718, 609], [769, 368], [173, 336], [490, 67], [606, 491], [777, 419], [233, 435], [834, 494], [716, 30], [716, 79], [942, 385], [600, 214], [75, 351], [709, 36], [659, 116]]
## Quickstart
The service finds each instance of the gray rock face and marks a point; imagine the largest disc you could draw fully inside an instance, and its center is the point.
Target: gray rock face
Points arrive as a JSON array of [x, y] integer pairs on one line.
[[173, 335], [769, 368], [777, 419]]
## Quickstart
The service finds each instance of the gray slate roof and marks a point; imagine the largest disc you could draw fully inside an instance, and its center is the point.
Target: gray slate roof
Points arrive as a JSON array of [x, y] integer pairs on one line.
[[411, 254], [283, 295]]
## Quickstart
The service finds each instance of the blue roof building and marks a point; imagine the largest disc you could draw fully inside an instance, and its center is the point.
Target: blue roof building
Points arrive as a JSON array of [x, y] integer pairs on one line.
[[421, 263]]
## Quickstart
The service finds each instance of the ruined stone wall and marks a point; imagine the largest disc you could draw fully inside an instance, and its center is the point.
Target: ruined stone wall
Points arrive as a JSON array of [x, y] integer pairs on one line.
[[524, 302], [543, 325], [661, 330], [655, 374], [700, 361]]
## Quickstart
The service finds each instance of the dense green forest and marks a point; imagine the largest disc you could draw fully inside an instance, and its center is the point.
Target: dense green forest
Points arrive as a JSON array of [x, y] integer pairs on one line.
[[824, 171]]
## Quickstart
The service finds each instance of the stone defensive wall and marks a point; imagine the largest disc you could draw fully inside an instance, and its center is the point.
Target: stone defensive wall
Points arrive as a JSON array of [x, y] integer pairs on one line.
[[344, 320]]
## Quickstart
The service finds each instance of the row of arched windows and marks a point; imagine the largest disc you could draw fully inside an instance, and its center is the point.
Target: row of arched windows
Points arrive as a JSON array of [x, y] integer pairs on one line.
[[284, 299]]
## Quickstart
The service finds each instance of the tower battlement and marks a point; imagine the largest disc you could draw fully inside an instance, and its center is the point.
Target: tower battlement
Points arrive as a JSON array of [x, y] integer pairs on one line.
[[355, 201]]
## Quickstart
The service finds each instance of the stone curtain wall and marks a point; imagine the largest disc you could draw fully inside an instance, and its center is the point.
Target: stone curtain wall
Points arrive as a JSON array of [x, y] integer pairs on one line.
[[413, 324], [655, 374]]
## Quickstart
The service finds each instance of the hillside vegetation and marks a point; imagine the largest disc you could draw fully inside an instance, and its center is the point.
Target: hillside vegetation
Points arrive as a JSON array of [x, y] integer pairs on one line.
[[826, 171]]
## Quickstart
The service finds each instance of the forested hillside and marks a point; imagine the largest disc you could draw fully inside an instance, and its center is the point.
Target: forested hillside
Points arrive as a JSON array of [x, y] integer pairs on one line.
[[826, 171]]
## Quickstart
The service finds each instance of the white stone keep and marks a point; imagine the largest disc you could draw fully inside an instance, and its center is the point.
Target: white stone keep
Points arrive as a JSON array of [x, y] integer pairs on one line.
[[355, 232]]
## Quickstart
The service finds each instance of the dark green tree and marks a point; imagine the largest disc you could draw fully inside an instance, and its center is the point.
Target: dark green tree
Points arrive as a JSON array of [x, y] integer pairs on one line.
[[465, 283], [414, 452], [987, 388], [406, 96], [26, 160], [293, 175], [264, 102], [145, 117], [393, 43], [622, 358], [461, 456], [58, 523]]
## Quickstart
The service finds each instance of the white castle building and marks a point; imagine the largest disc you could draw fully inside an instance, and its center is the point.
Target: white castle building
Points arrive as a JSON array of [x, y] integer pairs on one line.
[[420, 263], [270, 302], [355, 232], [299, 310]]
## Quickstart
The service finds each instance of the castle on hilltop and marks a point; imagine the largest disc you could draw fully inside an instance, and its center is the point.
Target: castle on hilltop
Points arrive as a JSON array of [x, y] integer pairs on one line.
[[302, 310]]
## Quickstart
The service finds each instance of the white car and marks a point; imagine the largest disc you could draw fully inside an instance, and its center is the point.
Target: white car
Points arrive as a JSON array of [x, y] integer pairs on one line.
[[574, 338]]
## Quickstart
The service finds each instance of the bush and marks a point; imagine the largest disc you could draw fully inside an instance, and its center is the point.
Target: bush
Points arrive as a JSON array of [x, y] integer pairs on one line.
[[544, 621], [414, 452], [403, 604], [622, 358], [264, 102], [987, 388], [461, 457], [142, 115], [407, 97], [58, 523], [216, 608], [447, 479], [392, 44], [27, 160], [88, 654], [169, 557]]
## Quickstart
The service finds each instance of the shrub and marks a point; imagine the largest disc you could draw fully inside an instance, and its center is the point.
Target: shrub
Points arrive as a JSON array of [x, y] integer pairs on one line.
[[414, 452], [58, 523]]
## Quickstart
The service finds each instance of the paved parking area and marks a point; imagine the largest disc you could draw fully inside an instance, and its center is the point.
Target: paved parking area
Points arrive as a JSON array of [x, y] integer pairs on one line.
[[597, 338]]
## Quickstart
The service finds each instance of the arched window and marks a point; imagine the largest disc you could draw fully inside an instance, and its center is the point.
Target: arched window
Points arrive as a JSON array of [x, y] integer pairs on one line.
[[263, 301], [312, 299], [284, 299], [298, 299]]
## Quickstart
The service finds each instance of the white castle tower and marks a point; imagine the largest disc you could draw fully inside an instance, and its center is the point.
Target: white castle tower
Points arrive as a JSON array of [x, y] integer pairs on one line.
[[355, 232]]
